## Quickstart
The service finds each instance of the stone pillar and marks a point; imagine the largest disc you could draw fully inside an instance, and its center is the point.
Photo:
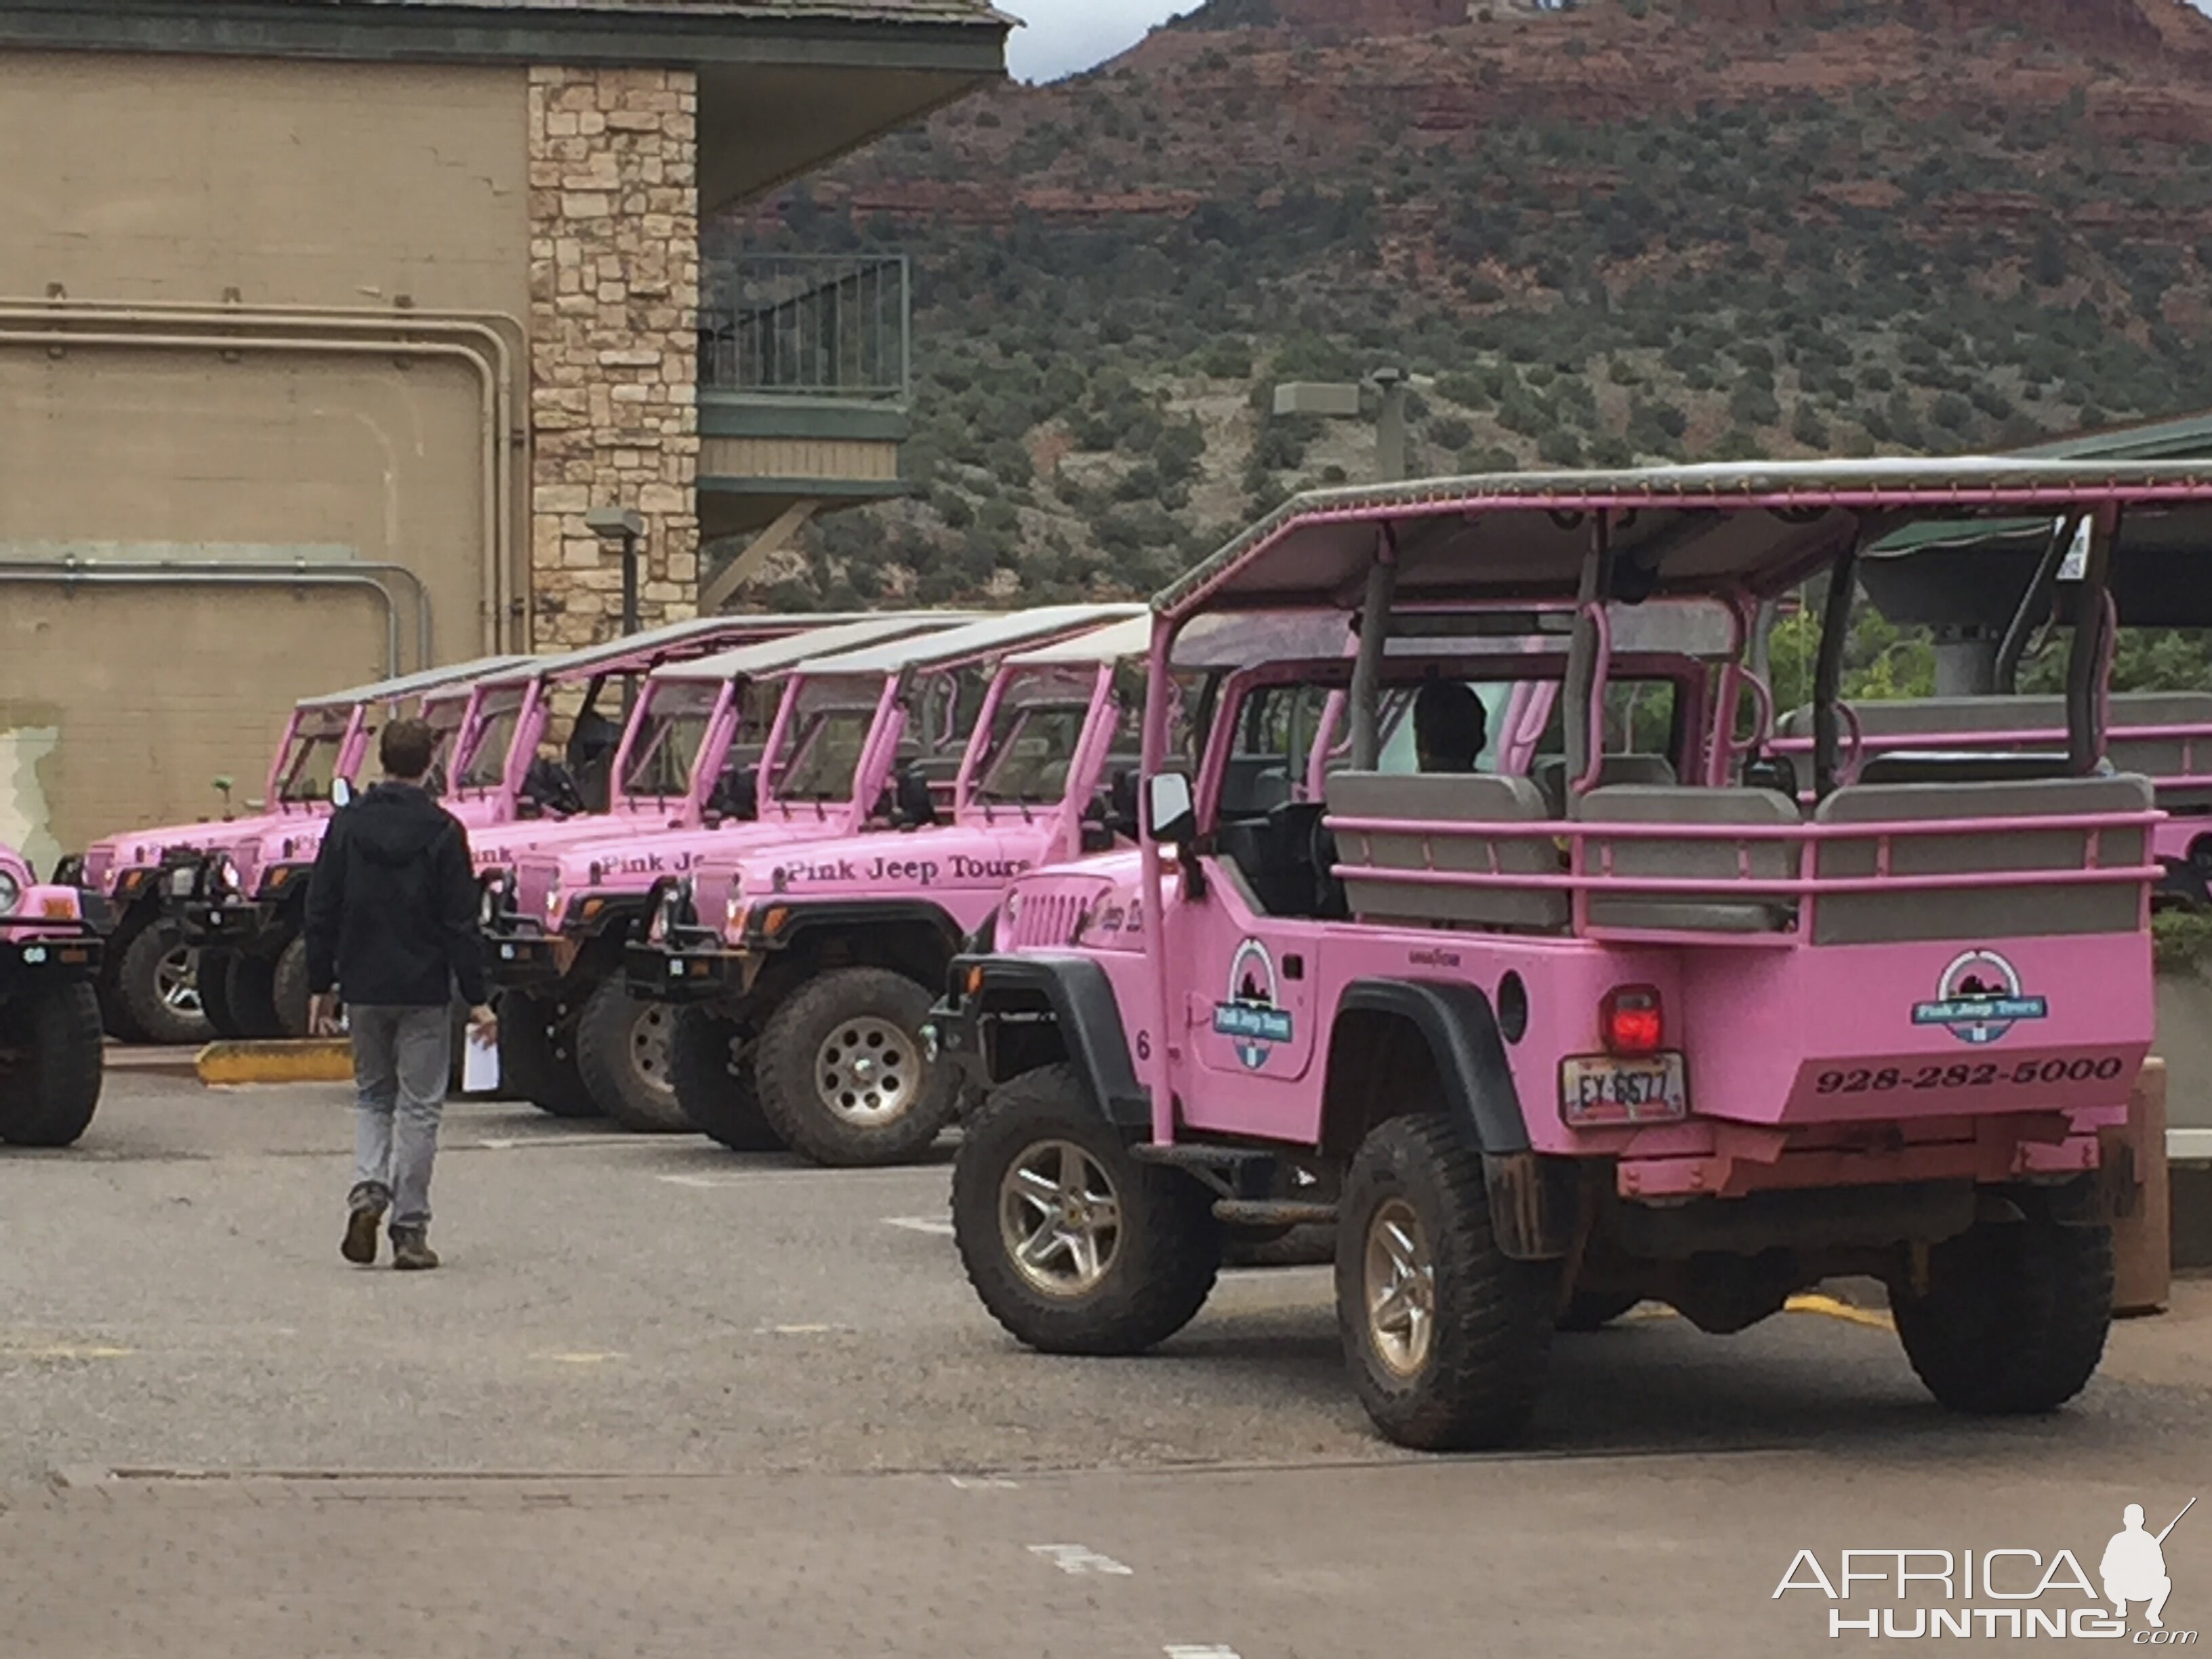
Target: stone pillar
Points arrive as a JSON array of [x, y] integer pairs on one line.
[[614, 280]]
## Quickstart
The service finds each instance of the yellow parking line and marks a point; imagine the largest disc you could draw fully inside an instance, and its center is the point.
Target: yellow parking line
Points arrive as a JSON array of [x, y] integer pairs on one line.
[[1874, 1318], [1827, 1306]]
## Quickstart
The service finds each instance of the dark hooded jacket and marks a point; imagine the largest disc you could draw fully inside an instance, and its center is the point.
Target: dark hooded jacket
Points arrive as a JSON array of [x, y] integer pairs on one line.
[[391, 908]]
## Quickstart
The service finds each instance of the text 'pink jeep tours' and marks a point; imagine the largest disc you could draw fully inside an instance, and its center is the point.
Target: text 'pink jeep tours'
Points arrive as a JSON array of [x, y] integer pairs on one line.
[[1670, 1035]]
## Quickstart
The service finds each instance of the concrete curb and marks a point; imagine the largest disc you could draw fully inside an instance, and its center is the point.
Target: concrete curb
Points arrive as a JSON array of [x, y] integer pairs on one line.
[[306, 1060]]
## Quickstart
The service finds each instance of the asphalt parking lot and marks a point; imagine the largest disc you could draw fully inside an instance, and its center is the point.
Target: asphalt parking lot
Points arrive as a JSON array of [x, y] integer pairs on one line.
[[666, 1400]]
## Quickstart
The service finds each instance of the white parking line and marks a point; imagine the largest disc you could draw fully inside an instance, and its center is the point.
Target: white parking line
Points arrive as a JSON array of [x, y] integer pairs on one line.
[[508, 1143], [1081, 1559], [982, 1482], [920, 1223], [1185, 1650], [754, 1177]]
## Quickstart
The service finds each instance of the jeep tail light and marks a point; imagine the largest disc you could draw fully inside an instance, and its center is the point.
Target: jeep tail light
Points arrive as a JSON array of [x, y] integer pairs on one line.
[[1631, 1020]]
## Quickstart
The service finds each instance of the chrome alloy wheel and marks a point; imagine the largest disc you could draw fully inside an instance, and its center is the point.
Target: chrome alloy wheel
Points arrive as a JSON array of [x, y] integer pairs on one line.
[[1060, 1218], [177, 981], [650, 1053], [868, 1072], [1400, 1286]]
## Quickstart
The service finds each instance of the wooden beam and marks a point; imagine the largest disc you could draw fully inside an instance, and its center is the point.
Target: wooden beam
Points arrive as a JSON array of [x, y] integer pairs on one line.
[[764, 547]]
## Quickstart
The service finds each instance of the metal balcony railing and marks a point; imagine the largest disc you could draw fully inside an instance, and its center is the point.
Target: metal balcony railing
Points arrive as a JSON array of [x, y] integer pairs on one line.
[[801, 325]]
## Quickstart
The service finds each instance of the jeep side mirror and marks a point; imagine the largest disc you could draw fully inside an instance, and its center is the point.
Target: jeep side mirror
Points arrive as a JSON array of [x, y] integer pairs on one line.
[[1169, 817]]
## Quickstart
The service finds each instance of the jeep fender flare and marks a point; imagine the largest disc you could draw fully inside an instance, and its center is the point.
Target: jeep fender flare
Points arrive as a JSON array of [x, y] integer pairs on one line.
[[848, 915], [1461, 1029], [1533, 1206], [1081, 999]]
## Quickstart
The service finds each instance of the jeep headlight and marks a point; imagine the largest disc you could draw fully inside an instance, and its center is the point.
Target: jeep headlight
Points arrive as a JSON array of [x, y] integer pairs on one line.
[[553, 900], [11, 892], [493, 897], [227, 877]]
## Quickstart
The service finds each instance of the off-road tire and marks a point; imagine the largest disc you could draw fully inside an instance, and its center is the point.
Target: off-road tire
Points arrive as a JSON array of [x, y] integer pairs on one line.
[[793, 1040], [1593, 1310], [114, 1009], [288, 988], [616, 1073], [139, 1013], [1162, 1265], [49, 1080], [249, 987], [537, 1060], [2015, 1314], [1490, 1334], [715, 1089], [214, 995]]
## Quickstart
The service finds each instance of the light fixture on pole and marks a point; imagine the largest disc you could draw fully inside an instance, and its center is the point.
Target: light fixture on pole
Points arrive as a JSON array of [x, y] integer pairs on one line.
[[1339, 400], [625, 526]]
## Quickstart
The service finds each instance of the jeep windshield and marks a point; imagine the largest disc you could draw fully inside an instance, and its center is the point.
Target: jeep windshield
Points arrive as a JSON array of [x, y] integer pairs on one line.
[[669, 739], [829, 730], [483, 769], [1035, 732], [311, 759]]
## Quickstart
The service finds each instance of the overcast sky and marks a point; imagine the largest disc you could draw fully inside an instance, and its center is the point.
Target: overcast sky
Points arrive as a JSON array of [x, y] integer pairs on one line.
[[1063, 36]]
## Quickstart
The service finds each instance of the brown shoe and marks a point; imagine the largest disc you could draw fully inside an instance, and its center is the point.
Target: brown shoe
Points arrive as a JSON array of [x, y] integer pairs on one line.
[[359, 1246], [410, 1249]]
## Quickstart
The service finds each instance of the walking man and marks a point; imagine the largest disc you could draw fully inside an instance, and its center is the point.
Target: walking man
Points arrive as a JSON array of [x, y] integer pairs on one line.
[[391, 923]]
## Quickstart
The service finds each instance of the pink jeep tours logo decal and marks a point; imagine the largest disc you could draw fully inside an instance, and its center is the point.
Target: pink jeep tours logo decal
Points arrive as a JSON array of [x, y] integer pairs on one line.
[[1978, 998], [1250, 1020]]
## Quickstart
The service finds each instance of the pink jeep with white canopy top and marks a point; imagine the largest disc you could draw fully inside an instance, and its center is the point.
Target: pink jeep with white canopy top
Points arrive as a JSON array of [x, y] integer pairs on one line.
[[239, 900], [804, 971], [50, 1038], [710, 744], [1996, 597], [150, 988], [1681, 1039]]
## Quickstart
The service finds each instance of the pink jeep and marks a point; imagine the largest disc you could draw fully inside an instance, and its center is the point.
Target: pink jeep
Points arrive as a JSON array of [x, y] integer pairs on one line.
[[237, 897], [150, 988], [491, 715], [1673, 1037], [803, 972], [2165, 736], [50, 1038], [835, 732]]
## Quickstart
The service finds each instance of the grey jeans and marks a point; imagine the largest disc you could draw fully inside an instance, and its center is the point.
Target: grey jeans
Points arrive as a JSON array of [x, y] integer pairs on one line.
[[401, 1059]]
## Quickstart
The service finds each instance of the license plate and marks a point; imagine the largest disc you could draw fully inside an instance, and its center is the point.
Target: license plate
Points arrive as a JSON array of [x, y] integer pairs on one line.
[[1598, 1089]]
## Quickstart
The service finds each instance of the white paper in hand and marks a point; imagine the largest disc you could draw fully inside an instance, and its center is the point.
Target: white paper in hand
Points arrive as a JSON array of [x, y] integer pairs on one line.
[[479, 1065]]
